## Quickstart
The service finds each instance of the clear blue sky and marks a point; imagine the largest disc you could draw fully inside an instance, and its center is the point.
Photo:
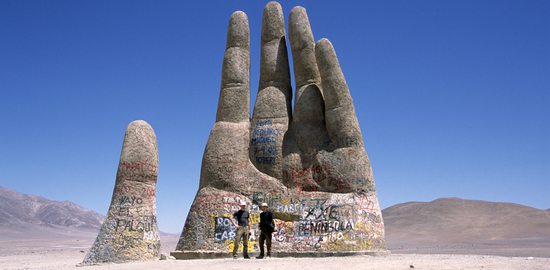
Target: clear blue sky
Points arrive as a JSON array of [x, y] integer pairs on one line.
[[453, 97]]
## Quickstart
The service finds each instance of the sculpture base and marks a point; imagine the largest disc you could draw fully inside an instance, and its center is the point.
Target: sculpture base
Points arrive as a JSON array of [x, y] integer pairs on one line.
[[309, 222], [191, 255]]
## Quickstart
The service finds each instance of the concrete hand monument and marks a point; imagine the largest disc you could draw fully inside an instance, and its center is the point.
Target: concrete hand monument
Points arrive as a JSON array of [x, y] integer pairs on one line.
[[309, 164], [130, 230]]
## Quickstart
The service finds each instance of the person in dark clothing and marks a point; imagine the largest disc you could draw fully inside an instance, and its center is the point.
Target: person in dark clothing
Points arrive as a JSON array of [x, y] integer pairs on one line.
[[267, 226], [243, 227]]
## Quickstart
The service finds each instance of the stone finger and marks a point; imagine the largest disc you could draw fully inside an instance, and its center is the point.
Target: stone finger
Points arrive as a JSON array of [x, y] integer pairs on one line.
[[272, 109], [303, 49], [133, 205], [234, 101], [340, 118]]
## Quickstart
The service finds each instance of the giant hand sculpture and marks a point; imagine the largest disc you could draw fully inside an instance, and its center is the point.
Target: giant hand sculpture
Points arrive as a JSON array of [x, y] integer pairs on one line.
[[309, 165]]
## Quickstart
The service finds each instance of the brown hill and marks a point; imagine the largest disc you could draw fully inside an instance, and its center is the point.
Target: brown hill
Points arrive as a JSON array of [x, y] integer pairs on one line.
[[452, 223], [29, 216]]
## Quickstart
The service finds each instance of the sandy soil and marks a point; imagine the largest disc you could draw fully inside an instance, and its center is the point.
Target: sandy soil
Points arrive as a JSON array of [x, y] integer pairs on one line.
[[61, 254]]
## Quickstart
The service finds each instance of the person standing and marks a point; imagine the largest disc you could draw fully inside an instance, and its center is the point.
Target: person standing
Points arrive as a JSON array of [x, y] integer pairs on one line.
[[267, 226], [243, 227]]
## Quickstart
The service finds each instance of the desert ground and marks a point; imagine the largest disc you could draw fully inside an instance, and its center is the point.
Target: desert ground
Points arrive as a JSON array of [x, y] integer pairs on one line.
[[68, 252]]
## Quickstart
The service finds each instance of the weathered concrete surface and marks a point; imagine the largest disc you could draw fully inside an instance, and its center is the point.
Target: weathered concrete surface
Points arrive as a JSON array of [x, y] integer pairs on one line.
[[323, 222], [130, 230], [309, 165]]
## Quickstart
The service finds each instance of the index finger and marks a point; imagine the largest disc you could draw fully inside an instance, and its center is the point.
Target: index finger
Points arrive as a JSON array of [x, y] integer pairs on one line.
[[234, 101]]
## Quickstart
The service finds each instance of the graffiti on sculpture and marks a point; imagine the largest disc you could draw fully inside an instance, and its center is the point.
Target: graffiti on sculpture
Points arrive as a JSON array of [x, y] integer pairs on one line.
[[338, 221], [224, 230], [264, 142]]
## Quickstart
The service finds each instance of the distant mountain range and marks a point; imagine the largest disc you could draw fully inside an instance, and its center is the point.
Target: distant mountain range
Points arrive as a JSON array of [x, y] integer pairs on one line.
[[29, 216], [455, 220], [454, 225]]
